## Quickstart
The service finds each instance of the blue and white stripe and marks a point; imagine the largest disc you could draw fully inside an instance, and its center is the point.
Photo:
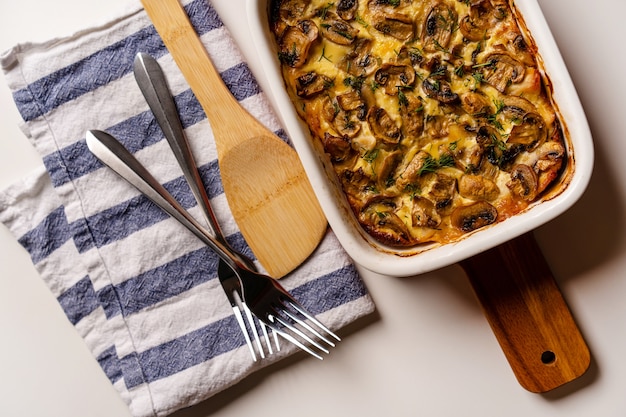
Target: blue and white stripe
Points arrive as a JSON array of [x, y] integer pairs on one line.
[[141, 290]]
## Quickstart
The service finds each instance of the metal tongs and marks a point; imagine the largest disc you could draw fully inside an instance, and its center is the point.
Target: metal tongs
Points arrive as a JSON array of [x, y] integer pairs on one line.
[[257, 294]]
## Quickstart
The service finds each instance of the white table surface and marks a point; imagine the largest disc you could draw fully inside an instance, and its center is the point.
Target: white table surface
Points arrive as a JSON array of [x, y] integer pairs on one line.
[[430, 352]]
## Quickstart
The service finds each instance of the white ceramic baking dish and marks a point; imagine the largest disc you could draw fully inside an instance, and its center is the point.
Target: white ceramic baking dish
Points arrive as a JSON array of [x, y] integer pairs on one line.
[[390, 261]]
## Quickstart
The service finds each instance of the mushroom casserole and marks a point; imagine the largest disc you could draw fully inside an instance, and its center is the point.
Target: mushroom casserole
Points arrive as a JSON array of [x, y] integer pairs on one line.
[[435, 115]]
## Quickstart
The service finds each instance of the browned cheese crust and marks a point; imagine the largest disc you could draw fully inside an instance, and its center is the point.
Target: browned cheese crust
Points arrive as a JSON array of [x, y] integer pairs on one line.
[[434, 113]]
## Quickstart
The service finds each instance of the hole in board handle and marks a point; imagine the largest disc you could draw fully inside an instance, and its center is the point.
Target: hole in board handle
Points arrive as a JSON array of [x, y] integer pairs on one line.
[[548, 357]]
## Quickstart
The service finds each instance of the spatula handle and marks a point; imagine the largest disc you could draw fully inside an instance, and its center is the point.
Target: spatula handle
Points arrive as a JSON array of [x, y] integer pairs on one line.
[[528, 314], [175, 29]]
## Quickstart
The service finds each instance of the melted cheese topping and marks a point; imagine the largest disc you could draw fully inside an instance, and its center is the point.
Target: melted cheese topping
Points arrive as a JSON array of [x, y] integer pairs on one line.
[[434, 113]]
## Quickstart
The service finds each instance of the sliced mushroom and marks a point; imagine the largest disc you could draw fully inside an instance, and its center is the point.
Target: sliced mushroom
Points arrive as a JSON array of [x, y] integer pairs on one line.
[[477, 187], [410, 55], [531, 133], [295, 43], [346, 124], [500, 70], [337, 30], [436, 126], [287, 13], [487, 135], [438, 27], [488, 170], [500, 8], [396, 25], [354, 183], [338, 147], [550, 158], [424, 213], [476, 104], [386, 167], [439, 90], [475, 25], [523, 183], [412, 111], [515, 107], [474, 216], [437, 69], [383, 126], [471, 31], [359, 61], [519, 48], [469, 158], [413, 170], [329, 109], [441, 189], [502, 154], [380, 220], [352, 101], [548, 154], [312, 83], [346, 9], [393, 77], [498, 152], [384, 6]]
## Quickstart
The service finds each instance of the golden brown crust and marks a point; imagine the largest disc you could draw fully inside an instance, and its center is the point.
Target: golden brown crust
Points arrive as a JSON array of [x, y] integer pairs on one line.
[[434, 113]]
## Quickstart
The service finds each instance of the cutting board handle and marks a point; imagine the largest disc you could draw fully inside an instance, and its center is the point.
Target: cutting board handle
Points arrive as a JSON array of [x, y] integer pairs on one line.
[[528, 314]]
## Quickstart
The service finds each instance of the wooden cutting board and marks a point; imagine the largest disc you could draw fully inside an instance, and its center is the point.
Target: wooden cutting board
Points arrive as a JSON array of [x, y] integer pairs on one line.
[[528, 314]]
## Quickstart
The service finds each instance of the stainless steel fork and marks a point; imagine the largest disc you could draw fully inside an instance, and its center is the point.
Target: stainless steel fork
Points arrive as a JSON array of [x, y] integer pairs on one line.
[[154, 87], [264, 296]]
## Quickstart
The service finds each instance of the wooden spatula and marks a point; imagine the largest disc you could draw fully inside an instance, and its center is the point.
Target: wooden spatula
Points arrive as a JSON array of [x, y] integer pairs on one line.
[[264, 182]]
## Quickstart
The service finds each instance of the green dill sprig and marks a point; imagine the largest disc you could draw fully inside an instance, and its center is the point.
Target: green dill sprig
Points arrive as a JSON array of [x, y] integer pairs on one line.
[[493, 118], [356, 83], [402, 100], [370, 156], [323, 56], [413, 190], [324, 10], [431, 164], [361, 21], [489, 63], [478, 78], [394, 3], [460, 70], [290, 57]]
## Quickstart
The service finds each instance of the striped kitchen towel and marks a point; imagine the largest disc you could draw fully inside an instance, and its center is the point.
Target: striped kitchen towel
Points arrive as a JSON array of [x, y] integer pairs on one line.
[[139, 288]]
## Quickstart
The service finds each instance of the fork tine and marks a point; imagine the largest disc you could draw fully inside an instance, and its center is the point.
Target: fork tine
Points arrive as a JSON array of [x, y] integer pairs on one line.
[[285, 323], [300, 333], [242, 325], [268, 343], [276, 343], [252, 327], [293, 340], [307, 327], [310, 317]]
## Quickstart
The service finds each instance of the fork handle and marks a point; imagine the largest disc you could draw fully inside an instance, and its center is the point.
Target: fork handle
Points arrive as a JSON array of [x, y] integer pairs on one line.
[[153, 85], [113, 154]]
